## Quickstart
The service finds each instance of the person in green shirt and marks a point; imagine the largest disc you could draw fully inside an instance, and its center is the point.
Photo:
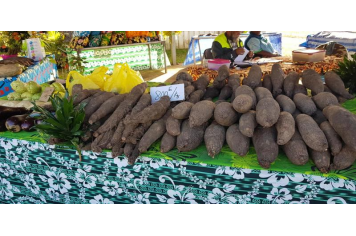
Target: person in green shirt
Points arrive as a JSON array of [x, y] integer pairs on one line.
[[228, 46], [260, 45]]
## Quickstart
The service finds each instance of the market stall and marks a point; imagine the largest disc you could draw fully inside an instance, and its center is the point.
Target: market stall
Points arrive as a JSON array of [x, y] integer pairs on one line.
[[35, 172], [40, 72], [198, 44]]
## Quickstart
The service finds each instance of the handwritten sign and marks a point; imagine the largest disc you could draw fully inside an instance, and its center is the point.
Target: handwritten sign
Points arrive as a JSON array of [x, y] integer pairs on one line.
[[175, 92], [46, 94]]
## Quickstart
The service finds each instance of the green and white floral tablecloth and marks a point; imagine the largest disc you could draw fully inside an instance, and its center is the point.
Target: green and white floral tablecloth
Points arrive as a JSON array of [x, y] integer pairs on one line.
[[34, 172], [137, 56]]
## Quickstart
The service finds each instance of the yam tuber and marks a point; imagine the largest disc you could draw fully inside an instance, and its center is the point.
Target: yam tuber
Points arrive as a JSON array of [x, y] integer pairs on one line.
[[182, 110], [285, 127], [267, 112], [223, 73], [190, 138], [286, 103], [299, 88], [289, 83], [265, 143], [248, 123], [196, 96], [225, 93], [254, 77], [184, 76], [168, 142], [237, 142], [243, 89], [242, 103], [319, 117], [277, 78], [304, 104], [333, 138], [321, 160], [211, 93], [312, 135], [214, 138], [312, 80], [225, 115], [201, 112], [262, 92], [267, 83], [202, 82], [325, 99], [188, 90], [296, 150], [335, 84], [173, 126], [344, 159]]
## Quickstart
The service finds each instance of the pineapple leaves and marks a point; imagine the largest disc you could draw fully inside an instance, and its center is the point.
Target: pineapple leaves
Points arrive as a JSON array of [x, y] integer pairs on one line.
[[347, 72]]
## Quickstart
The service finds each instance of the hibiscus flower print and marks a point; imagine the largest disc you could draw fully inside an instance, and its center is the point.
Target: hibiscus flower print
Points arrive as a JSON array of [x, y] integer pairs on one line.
[[5, 189], [112, 188], [237, 173], [143, 199], [30, 183], [218, 197], [157, 163], [52, 194], [179, 196], [6, 169], [11, 156], [278, 179], [121, 162], [332, 183], [98, 199], [58, 181], [124, 174], [87, 179], [279, 196]]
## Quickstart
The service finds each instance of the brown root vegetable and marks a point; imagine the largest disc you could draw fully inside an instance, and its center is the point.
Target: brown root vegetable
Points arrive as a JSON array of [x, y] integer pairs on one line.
[[211, 93], [214, 138], [265, 143], [321, 160], [173, 126], [77, 88], [242, 103], [296, 113], [223, 73], [286, 103], [299, 88], [85, 93], [267, 112], [304, 104], [128, 149], [184, 76], [123, 109], [186, 83], [326, 89], [289, 83], [196, 96], [312, 135], [267, 83], [341, 99], [335, 84], [243, 89], [254, 77], [219, 84], [157, 130], [201, 112], [87, 147], [325, 99], [182, 110], [138, 133], [117, 149], [262, 92], [248, 123], [202, 82], [224, 114], [343, 122], [344, 159], [312, 80], [188, 90], [118, 133], [225, 93], [333, 138], [318, 116], [134, 155], [285, 127], [10, 70], [95, 144], [296, 150], [106, 108], [150, 113], [168, 142], [234, 81], [190, 138], [277, 78], [238, 143]]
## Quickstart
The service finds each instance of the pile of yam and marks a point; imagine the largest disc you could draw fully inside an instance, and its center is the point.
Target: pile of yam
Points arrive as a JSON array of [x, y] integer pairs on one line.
[[273, 113]]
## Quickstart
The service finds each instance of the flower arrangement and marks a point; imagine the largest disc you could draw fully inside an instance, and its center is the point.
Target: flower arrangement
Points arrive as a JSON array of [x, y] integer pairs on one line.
[[11, 41]]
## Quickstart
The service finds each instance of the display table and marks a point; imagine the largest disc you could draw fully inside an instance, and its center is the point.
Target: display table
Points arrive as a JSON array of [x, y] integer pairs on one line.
[[139, 56], [40, 72], [346, 38], [198, 44], [34, 172]]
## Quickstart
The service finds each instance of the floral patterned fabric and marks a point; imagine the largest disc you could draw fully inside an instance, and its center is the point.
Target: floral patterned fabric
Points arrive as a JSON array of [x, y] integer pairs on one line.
[[32, 172]]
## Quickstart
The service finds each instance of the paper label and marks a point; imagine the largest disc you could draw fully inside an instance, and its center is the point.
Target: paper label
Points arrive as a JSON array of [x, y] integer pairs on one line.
[[46, 94], [175, 92]]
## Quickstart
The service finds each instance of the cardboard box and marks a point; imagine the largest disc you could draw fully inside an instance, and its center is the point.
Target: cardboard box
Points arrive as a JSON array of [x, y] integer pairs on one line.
[[308, 55]]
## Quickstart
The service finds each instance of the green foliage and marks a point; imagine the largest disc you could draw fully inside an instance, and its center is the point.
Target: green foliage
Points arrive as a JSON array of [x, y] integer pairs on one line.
[[76, 62], [54, 43], [65, 124], [347, 72]]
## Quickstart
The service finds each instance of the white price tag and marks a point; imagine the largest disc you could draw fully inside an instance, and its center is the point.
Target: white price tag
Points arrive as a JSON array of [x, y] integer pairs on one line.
[[175, 92]]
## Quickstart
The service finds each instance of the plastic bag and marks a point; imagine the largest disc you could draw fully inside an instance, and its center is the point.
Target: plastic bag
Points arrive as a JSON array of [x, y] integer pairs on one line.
[[98, 76], [75, 77], [123, 79]]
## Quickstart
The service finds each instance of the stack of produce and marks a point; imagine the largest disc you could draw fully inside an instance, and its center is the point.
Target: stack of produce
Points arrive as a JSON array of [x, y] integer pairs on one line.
[[272, 112], [15, 119], [31, 91]]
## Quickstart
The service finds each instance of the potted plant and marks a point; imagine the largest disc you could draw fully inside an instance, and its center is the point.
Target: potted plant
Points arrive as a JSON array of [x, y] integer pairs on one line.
[[11, 42]]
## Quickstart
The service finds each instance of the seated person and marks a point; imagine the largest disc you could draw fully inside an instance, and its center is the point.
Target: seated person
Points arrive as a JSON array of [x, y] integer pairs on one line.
[[260, 45], [228, 46]]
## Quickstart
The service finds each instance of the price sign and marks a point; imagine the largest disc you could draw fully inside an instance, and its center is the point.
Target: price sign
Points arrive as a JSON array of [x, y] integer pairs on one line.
[[175, 92]]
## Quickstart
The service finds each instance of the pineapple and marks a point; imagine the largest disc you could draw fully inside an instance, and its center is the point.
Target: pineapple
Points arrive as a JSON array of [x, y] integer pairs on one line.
[[347, 72]]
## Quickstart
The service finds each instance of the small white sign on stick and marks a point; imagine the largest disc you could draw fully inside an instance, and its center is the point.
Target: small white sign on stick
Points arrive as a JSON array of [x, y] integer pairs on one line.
[[175, 92]]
